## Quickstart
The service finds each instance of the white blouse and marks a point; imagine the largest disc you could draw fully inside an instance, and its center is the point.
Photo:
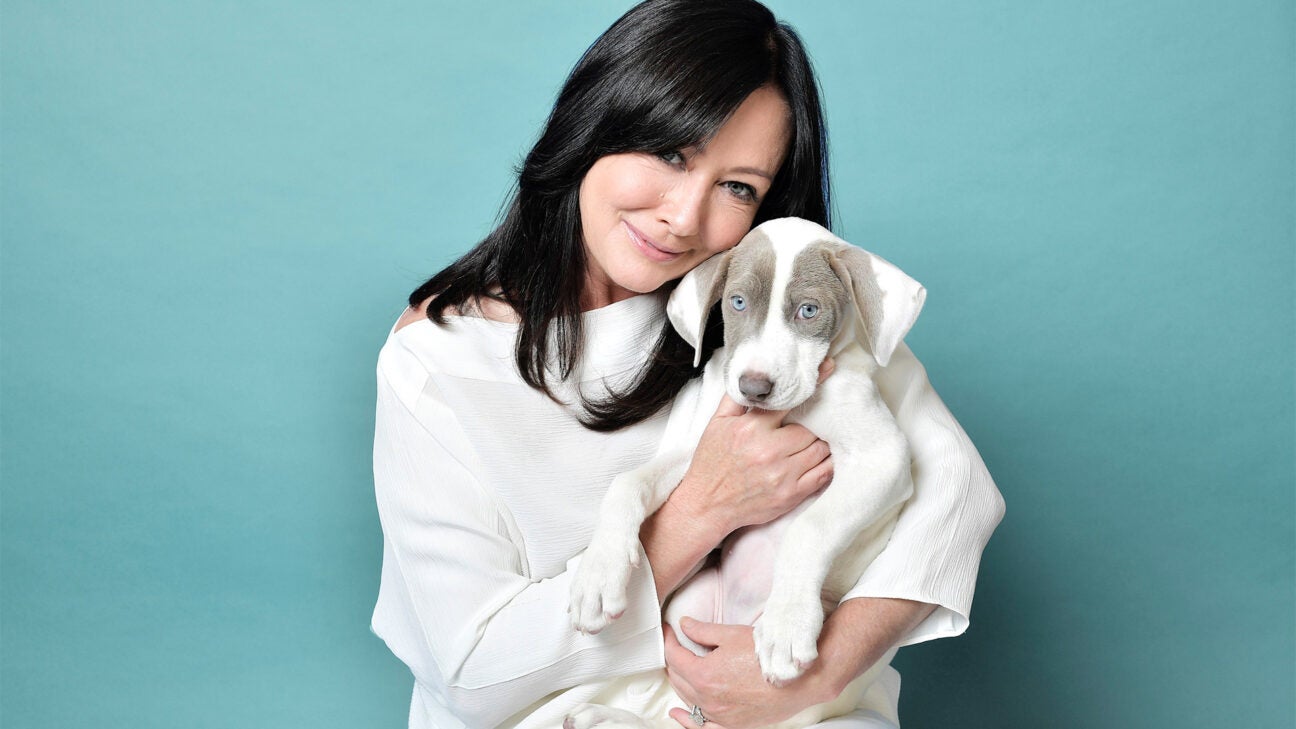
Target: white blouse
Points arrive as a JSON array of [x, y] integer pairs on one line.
[[488, 490]]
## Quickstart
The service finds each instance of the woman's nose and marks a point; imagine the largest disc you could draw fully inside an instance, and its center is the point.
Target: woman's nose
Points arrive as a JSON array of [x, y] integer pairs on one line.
[[683, 207]]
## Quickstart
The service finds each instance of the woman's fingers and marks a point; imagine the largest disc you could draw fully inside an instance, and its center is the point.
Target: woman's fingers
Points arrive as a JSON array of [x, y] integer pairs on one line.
[[774, 417], [686, 720], [678, 659], [815, 453], [690, 696], [676, 653], [816, 478], [682, 663], [797, 438], [728, 408], [826, 368]]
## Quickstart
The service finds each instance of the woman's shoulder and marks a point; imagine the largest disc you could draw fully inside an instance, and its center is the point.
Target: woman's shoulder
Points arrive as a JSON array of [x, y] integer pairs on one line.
[[482, 308], [411, 315], [477, 340], [465, 344]]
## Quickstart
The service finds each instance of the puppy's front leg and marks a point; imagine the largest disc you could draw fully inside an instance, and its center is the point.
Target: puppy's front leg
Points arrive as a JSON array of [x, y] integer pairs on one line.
[[598, 589], [787, 633]]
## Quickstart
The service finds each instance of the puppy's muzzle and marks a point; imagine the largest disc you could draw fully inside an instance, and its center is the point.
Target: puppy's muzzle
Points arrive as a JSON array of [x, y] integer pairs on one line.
[[755, 386]]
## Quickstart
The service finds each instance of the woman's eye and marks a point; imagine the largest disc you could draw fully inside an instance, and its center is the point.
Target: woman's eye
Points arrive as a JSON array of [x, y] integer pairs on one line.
[[808, 311], [739, 304], [673, 157], [742, 191]]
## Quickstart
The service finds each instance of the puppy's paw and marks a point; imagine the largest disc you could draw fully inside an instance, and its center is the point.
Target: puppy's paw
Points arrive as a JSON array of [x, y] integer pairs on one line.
[[786, 637], [598, 589], [589, 715]]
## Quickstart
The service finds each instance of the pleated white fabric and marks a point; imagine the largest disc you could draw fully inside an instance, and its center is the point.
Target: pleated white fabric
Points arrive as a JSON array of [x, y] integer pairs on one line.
[[488, 490]]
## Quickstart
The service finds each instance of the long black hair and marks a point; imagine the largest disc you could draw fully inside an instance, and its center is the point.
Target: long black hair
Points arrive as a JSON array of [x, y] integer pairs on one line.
[[665, 76]]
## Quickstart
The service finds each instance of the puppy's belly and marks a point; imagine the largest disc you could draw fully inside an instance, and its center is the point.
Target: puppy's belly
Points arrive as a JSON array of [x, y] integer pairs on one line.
[[747, 567], [746, 570]]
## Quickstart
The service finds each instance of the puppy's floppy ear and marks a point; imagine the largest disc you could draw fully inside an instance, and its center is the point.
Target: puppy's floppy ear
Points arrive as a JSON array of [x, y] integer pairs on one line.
[[692, 299], [886, 299]]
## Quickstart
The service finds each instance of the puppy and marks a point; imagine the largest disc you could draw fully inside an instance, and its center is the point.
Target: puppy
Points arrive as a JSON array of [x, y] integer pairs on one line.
[[791, 294]]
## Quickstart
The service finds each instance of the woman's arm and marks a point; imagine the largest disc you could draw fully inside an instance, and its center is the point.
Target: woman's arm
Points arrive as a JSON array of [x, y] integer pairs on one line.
[[728, 684], [454, 602]]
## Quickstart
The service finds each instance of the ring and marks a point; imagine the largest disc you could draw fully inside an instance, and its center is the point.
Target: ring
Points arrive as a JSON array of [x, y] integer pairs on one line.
[[696, 715]]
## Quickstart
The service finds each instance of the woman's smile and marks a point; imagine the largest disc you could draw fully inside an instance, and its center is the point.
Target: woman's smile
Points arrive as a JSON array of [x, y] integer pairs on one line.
[[648, 246]]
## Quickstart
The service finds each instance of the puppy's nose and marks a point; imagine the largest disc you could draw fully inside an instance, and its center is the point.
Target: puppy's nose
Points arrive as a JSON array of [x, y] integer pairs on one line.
[[755, 386]]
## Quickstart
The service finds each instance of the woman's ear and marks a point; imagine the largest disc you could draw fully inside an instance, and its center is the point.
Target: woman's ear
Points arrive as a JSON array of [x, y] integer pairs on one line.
[[693, 298], [886, 300]]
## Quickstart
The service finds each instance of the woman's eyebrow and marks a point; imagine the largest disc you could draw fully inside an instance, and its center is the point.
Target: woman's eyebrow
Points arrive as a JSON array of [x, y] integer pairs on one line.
[[754, 171]]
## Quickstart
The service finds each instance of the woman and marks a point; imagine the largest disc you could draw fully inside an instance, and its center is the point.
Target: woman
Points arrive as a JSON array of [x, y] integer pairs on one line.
[[542, 369]]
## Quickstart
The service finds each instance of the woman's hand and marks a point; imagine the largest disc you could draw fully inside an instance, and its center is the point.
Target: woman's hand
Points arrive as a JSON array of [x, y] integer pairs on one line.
[[750, 468], [727, 682]]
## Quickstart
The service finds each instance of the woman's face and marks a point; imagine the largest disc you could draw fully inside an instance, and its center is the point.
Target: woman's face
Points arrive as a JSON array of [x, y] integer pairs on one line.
[[649, 219]]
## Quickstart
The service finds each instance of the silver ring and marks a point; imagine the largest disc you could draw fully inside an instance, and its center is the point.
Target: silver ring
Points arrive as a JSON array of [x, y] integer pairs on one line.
[[696, 715]]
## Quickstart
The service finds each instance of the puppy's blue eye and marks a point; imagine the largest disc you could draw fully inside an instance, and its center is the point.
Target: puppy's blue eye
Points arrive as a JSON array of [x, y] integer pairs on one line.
[[739, 303], [808, 311]]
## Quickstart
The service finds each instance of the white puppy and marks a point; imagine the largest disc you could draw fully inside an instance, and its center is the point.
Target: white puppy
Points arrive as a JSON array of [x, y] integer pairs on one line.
[[792, 293]]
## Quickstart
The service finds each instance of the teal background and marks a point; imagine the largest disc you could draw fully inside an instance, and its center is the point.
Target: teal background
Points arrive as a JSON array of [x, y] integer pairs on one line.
[[212, 213]]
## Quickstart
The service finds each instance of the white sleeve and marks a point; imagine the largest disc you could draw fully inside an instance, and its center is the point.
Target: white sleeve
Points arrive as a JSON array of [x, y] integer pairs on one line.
[[455, 603], [935, 550]]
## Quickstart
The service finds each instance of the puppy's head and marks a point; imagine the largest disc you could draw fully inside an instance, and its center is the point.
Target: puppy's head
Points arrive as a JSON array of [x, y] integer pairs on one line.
[[789, 292]]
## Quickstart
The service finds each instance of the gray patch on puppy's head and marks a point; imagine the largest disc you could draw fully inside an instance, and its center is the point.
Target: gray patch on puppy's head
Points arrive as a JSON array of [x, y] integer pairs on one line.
[[814, 281], [751, 275]]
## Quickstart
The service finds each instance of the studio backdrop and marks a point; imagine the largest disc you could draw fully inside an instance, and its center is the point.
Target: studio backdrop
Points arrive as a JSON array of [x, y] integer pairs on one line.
[[213, 211]]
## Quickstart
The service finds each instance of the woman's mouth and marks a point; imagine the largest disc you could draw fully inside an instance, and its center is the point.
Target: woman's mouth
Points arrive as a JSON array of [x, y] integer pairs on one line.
[[647, 247]]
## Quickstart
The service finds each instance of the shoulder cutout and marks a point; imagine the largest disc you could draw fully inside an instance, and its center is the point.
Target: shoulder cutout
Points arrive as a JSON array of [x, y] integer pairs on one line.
[[412, 315], [484, 308]]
